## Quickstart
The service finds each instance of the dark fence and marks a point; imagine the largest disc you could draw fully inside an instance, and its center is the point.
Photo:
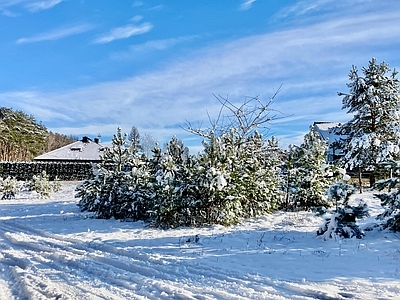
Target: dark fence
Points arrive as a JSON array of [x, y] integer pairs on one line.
[[60, 170]]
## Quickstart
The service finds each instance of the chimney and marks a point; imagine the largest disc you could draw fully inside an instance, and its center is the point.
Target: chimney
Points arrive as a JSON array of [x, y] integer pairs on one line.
[[85, 139]]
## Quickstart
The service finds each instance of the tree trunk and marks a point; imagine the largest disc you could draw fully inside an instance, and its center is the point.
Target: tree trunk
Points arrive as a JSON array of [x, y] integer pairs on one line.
[[360, 179], [372, 179]]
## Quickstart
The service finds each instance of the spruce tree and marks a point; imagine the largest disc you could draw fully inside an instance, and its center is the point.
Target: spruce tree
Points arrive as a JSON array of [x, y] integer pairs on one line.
[[374, 101], [312, 175]]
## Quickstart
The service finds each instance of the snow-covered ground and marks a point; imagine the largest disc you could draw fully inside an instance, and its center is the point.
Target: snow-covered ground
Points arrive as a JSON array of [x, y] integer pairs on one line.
[[50, 250]]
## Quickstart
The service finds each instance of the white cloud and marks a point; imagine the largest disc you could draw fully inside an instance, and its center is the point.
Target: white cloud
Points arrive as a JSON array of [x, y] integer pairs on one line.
[[246, 5], [124, 32], [31, 6], [136, 18], [137, 4], [8, 13], [56, 34], [304, 7], [42, 5], [136, 50]]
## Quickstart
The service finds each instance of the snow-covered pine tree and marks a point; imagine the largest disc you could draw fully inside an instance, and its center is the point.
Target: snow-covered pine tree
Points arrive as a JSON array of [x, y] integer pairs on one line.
[[342, 221], [391, 199], [288, 177], [9, 187], [374, 133], [41, 184], [119, 185], [254, 177], [312, 174], [236, 172], [170, 197]]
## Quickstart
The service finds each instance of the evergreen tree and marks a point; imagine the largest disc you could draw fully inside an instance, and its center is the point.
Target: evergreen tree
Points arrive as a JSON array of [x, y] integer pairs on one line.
[[170, 204], [311, 175], [134, 139], [342, 221], [391, 199], [21, 137], [120, 184], [374, 129], [288, 175], [9, 187]]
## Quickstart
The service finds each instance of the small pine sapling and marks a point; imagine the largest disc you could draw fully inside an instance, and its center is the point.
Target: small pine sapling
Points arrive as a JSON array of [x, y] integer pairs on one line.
[[42, 185], [9, 187], [342, 221]]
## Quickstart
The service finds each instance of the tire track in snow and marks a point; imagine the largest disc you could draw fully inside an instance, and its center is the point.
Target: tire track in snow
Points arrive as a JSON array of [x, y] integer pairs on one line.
[[31, 264], [93, 259], [138, 275]]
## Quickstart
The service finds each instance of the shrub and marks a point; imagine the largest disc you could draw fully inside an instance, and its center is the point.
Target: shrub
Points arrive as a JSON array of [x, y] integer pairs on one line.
[[42, 185], [9, 187], [342, 221]]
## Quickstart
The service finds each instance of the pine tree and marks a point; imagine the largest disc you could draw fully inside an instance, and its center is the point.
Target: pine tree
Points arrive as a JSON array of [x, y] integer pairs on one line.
[[9, 187], [391, 199], [374, 129], [120, 185], [311, 174], [342, 221]]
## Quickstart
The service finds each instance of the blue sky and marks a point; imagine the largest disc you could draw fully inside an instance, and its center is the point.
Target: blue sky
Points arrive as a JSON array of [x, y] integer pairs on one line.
[[85, 67]]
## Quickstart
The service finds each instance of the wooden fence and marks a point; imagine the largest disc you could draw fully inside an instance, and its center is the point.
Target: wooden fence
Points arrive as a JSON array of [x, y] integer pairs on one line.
[[66, 171]]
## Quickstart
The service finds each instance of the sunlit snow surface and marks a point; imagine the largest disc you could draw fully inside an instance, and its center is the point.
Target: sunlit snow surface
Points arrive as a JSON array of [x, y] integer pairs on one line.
[[50, 250]]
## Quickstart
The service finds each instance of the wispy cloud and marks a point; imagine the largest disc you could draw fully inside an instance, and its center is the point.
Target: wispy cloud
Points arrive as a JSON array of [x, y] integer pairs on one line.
[[31, 6], [246, 4], [136, 18], [8, 13], [156, 8], [124, 32], [137, 3], [56, 34], [304, 7], [42, 5], [136, 50]]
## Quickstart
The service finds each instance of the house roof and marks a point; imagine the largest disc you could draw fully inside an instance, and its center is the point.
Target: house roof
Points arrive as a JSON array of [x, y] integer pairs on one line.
[[83, 150], [330, 132]]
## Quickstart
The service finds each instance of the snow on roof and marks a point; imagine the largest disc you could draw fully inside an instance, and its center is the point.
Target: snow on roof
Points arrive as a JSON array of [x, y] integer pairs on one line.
[[329, 131], [84, 150]]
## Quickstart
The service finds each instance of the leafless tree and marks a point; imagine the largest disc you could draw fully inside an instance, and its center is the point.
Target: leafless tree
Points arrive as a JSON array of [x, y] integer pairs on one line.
[[147, 143], [253, 114]]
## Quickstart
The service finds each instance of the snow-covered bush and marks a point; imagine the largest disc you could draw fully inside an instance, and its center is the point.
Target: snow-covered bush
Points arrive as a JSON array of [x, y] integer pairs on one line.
[[235, 177], [9, 187], [342, 221], [42, 185]]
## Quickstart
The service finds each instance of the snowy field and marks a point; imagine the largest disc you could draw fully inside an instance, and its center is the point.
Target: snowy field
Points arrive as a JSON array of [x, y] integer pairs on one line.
[[50, 250]]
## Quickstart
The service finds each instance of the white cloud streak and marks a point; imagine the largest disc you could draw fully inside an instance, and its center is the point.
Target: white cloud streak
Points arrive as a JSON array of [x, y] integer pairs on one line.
[[56, 34], [42, 5], [246, 5], [155, 45], [124, 33], [31, 6]]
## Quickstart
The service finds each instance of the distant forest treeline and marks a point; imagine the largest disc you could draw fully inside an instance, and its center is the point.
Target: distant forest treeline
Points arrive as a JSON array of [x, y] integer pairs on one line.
[[22, 138]]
